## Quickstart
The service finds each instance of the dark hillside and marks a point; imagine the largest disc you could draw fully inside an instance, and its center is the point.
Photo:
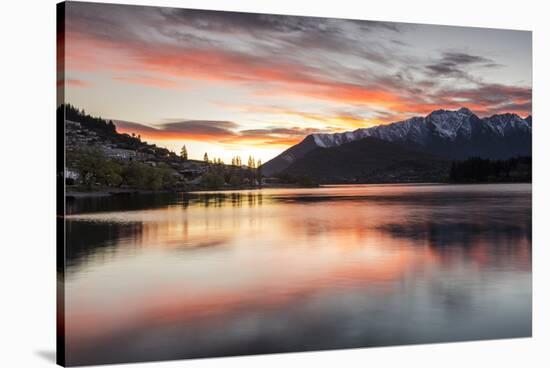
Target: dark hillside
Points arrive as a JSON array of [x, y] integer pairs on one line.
[[370, 160]]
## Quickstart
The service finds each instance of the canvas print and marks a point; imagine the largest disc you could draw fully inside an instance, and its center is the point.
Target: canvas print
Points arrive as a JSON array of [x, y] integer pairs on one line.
[[238, 183]]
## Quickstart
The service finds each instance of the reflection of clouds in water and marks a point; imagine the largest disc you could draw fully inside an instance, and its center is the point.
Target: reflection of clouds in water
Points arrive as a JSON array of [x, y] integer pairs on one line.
[[421, 310]]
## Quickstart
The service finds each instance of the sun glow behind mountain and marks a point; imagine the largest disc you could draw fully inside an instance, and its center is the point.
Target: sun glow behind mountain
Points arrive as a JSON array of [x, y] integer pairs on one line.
[[249, 84]]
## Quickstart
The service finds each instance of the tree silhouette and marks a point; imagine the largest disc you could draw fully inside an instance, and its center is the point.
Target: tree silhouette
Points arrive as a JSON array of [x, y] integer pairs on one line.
[[205, 158], [183, 153], [476, 169]]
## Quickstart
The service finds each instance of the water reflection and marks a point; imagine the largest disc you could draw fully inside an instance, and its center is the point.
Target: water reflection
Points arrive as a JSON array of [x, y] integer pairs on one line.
[[95, 239], [134, 202], [247, 272]]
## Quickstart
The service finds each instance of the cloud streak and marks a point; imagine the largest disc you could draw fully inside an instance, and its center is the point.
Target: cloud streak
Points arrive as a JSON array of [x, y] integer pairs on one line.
[[220, 132], [456, 65], [148, 81], [190, 129], [73, 83]]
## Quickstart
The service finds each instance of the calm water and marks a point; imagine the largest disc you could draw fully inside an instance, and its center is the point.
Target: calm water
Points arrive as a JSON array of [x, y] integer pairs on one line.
[[247, 272]]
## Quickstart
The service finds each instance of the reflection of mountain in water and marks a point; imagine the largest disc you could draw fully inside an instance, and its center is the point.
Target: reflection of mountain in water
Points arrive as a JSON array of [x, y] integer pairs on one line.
[[460, 233], [491, 244]]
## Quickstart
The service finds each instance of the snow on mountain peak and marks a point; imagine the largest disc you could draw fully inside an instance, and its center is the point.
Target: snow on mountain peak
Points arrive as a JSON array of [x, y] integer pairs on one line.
[[446, 124], [319, 140], [502, 123]]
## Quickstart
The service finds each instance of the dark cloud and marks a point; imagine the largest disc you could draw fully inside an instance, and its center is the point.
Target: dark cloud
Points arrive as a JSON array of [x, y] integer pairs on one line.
[[370, 25], [455, 64], [490, 94], [278, 131], [446, 70], [128, 126], [236, 22], [485, 99], [211, 127], [493, 65], [524, 108], [198, 129], [400, 43], [459, 58]]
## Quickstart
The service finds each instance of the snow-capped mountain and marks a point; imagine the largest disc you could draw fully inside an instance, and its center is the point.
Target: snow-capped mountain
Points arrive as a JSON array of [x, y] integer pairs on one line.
[[449, 134]]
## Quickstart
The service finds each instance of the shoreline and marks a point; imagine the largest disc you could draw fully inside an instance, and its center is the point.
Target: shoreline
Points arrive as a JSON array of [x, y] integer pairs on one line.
[[76, 194]]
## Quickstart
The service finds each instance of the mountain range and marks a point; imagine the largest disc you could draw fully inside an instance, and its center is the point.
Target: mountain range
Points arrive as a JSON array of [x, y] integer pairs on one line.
[[419, 144]]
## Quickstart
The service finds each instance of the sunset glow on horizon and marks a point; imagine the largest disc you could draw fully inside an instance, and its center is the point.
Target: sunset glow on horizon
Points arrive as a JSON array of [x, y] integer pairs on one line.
[[245, 84]]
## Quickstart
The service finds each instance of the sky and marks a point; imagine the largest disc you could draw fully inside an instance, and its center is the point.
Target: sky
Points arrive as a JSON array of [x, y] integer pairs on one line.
[[245, 84]]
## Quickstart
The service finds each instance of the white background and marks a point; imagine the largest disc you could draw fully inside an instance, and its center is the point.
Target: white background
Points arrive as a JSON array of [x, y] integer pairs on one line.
[[27, 179]]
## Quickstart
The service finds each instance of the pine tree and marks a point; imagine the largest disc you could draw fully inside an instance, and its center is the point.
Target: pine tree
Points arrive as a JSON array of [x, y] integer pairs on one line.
[[183, 153], [205, 158]]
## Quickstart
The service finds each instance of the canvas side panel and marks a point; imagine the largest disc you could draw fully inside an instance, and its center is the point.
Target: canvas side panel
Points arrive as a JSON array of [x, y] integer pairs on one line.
[[60, 184]]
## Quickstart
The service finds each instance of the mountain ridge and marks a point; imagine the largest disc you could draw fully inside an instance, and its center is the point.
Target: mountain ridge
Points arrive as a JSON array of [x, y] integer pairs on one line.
[[457, 134]]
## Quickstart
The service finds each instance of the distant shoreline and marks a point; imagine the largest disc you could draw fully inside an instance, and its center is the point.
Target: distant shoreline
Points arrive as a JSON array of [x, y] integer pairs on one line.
[[114, 192], [108, 193], [76, 194]]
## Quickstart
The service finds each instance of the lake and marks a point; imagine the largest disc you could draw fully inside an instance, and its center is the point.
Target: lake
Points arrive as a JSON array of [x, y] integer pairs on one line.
[[188, 275]]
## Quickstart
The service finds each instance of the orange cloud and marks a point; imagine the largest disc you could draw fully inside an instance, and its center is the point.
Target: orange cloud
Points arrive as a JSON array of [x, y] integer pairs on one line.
[[73, 83], [149, 81]]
